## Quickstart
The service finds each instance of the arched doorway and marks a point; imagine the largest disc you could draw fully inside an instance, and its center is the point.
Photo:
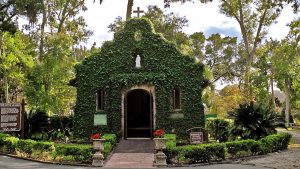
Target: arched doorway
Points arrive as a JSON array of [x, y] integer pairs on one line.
[[138, 114]]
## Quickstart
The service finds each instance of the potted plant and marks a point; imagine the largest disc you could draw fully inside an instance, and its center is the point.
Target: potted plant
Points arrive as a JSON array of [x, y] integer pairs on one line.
[[98, 148], [159, 140], [160, 144]]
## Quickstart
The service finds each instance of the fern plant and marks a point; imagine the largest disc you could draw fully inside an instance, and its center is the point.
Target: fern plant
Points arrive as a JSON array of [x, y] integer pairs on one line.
[[253, 121]]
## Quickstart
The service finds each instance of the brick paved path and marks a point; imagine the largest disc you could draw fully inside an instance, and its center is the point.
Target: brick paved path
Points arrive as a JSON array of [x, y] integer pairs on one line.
[[133, 153]]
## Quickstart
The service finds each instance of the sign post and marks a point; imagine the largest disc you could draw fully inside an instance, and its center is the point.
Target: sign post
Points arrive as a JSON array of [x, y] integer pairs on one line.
[[10, 117], [196, 137], [23, 104]]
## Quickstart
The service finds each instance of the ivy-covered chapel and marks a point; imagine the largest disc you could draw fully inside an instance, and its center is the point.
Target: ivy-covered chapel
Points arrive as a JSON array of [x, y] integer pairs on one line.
[[138, 82]]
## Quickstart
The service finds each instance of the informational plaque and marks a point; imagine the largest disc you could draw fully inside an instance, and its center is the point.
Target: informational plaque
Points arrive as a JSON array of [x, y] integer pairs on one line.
[[10, 117], [196, 137], [100, 119]]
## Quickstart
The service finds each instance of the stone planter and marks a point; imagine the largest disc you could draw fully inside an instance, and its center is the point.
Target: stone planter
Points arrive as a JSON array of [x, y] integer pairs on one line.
[[98, 157], [160, 143], [160, 159]]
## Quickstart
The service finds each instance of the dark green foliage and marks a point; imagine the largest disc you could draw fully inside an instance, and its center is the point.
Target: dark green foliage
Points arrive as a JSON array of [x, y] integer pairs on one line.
[[218, 151], [253, 121], [243, 147], [60, 127], [78, 151], [44, 146], [113, 70], [2, 137], [25, 146], [111, 138], [276, 142], [200, 153], [218, 129], [10, 144], [36, 125], [170, 146], [61, 122]]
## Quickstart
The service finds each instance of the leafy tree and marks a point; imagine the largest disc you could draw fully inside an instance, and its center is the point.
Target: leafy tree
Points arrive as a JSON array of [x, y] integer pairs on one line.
[[170, 25], [47, 86], [219, 56], [228, 99], [253, 121], [218, 129], [11, 9], [16, 61], [287, 65], [36, 125], [58, 34], [263, 76], [253, 17]]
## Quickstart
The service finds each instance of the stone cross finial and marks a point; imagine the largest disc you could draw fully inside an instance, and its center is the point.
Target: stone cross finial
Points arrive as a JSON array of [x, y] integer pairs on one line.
[[138, 11]]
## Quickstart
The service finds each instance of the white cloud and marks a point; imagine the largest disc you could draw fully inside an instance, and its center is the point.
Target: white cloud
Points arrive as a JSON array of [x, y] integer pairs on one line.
[[201, 17]]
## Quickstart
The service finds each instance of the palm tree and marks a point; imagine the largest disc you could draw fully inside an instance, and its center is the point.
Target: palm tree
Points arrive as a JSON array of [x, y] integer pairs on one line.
[[254, 121]]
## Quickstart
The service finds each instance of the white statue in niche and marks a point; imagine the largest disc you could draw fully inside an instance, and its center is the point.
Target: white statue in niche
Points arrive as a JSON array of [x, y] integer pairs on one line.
[[138, 61]]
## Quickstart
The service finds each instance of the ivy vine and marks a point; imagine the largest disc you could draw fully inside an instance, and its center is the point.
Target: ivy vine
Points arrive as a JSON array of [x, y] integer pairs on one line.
[[113, 69]]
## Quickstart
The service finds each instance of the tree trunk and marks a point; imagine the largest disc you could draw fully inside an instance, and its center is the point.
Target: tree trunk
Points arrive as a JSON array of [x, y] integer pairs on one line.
[[63, 17], [287, 102], [272, 90], [6, 92], [44, 20], [129, 9]]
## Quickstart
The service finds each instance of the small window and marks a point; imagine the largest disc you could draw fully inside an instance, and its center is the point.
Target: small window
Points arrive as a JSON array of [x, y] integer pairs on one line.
[[100, 100], [176, 99]]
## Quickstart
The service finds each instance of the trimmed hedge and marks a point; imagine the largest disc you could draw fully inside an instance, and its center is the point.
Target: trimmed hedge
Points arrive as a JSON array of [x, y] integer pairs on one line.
[[111, 138], [220, 151], [56, 151], [77, 151]]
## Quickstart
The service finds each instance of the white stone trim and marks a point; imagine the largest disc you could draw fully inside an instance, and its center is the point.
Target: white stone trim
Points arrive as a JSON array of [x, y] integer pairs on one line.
[[146, 87]]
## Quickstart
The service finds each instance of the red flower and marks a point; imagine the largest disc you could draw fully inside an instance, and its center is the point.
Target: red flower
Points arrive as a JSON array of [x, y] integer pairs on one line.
[[158, 133], [95, 136]]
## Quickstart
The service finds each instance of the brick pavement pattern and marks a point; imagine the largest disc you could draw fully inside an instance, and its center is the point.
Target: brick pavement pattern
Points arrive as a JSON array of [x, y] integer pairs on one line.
[[135, 153]]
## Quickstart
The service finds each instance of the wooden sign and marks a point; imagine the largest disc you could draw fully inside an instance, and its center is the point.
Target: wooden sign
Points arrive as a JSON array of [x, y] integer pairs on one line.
[[196, 137], [10, 117]]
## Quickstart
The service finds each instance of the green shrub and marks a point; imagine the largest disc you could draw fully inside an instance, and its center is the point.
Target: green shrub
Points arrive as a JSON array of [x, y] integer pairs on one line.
[[254, 121], [218, 129], [79, 152], [219, 151], [111, 138], [44, 146], [25, 146], [198, 153], [275, 142], [2, 137], [10, 144], [170, 151], [107, 149], [171, 140], [242, 148]]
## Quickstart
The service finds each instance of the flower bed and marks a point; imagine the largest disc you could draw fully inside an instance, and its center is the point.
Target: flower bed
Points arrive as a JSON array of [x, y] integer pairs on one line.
[[50, 151], [219, 151]]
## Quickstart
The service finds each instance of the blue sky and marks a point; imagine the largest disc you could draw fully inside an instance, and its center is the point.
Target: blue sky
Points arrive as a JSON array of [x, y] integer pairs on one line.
[[202, 17]]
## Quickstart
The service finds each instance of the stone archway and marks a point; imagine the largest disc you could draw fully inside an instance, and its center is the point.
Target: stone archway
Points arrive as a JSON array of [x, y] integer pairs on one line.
[[138, 112]]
